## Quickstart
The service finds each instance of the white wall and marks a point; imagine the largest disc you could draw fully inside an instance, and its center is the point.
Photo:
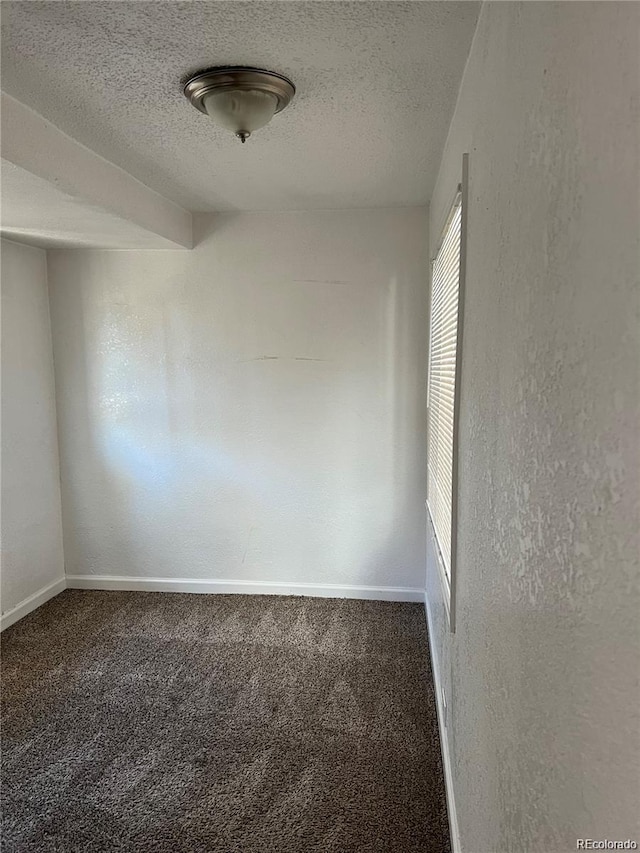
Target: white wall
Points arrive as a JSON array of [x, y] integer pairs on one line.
[[251, 410], [542, 673], [32, 557]]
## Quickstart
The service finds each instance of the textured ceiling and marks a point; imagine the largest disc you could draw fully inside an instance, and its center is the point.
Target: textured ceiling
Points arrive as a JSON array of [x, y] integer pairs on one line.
[[377, 84]]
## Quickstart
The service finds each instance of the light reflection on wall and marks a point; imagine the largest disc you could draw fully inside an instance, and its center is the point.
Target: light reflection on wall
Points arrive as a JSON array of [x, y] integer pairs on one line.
[[247, 413]]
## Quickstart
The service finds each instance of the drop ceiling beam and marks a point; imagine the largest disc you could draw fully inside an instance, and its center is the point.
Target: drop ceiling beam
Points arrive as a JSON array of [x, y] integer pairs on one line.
[[33, 144]]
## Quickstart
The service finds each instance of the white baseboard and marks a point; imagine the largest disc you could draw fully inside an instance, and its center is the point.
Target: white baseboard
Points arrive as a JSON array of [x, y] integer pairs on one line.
[[454, 830], [245, 587], [32, 602]]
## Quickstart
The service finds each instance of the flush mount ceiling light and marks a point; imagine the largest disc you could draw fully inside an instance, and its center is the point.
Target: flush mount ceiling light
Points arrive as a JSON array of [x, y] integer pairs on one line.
[[238, 98]]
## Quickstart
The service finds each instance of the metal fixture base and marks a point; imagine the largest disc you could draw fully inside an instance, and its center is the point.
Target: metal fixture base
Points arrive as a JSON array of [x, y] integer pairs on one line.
[[238, 77]]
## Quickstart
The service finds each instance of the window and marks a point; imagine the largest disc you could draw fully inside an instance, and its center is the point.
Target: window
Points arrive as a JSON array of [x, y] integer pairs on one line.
[[445, 344]]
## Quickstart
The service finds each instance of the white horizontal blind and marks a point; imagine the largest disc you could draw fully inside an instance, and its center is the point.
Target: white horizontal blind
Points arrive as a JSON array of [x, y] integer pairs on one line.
[[445, 289]]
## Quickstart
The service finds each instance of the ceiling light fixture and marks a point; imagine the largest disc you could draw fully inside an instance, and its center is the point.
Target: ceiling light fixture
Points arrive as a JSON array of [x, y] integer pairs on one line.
[[238, 98]]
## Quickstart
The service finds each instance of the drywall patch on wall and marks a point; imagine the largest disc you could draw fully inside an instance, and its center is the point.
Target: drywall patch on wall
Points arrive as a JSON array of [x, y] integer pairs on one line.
[[541, 674], [252, 410], [32, 556]]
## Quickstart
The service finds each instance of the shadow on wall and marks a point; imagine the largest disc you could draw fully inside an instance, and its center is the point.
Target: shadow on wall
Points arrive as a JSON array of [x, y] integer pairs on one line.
[[230, 424], [405, 336]]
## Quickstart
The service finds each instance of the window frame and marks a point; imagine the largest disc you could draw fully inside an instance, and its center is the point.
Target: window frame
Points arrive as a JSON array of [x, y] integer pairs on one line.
[[448, 580]]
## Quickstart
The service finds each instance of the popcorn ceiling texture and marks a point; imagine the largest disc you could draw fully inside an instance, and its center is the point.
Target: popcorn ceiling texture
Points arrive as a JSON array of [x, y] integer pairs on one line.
[[542, 673], [376, 81]]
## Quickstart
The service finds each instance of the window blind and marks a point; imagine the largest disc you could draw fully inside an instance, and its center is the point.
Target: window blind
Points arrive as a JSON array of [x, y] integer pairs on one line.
[[441, 390]]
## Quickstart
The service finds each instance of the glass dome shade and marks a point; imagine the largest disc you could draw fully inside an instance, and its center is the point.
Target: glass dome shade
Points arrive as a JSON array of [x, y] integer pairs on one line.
[[241, 110]]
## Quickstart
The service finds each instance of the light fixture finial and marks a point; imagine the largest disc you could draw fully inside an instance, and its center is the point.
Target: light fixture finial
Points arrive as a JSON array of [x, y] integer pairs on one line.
[[240, 98]]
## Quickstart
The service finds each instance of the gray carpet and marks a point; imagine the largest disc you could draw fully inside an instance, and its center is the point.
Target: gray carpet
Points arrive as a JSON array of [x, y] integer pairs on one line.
[[240, 724]]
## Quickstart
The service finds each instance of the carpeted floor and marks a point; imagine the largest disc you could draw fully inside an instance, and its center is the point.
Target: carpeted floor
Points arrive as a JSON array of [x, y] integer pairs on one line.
[[242, 724]]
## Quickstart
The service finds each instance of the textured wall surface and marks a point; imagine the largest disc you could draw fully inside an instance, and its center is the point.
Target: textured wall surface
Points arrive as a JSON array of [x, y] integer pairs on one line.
[[252, 409], [542, 673], [31, 523], [376, 88]]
